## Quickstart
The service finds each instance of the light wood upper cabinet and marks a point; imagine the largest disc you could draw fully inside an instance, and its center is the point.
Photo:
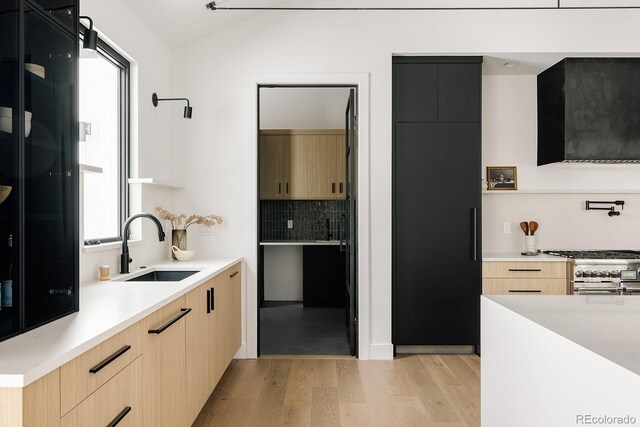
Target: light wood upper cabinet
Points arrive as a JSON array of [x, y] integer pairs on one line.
[[164, 387], [302, 164]]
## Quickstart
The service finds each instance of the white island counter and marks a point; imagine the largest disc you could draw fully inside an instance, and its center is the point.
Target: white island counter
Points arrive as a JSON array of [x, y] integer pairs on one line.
[[560, 360]]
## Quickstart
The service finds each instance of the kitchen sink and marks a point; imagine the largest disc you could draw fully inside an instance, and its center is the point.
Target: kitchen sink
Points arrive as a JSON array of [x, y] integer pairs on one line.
[[163, 276]]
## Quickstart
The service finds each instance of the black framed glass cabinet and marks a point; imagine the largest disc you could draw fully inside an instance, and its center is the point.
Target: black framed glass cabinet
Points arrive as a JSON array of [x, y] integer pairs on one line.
[[39, 173]]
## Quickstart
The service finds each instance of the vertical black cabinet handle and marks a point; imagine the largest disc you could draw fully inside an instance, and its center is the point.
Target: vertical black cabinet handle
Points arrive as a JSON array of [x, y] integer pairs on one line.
[[208, 301], [234, 274], [341, 188], [287, 188], [333, 187], [474, 234], [119, 417], [109, 359], [279, 188], [213, 299]]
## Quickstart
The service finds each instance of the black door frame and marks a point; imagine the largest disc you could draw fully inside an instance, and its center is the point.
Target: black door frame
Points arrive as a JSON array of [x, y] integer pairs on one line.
[[260, 266]]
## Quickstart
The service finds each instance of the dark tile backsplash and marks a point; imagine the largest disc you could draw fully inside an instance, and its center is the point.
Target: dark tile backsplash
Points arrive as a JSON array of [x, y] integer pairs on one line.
[[309, 219]]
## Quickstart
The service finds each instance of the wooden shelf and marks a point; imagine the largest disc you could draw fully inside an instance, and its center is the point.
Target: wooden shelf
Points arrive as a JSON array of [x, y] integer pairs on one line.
[[90, 168], [154, 181]]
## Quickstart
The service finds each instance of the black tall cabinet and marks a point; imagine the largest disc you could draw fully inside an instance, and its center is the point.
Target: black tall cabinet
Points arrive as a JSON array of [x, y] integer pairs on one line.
[[437, 200], [38, 163]]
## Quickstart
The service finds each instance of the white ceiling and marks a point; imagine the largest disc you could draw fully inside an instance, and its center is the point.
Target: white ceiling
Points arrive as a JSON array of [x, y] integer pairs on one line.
[[177, 22]]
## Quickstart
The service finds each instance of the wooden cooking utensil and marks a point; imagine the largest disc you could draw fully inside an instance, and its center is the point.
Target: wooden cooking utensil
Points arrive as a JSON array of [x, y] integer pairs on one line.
[[525, 228], [533, 227]]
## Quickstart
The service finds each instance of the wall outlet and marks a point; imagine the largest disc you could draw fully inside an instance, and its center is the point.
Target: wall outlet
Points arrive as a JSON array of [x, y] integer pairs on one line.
[[506, 228], [290, 224], [208, 231]]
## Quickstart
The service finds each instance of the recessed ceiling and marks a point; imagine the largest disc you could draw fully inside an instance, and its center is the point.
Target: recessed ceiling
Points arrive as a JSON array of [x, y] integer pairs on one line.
[[533, 63]]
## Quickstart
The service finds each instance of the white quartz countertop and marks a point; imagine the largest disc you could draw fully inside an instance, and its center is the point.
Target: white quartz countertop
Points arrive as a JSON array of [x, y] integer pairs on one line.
[[518, 257], [106, 308], [301, 243], [604, 324]]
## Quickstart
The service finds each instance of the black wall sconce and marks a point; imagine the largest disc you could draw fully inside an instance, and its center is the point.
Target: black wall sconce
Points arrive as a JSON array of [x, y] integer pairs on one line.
[[90, 40], [187, 109], [611, 209]]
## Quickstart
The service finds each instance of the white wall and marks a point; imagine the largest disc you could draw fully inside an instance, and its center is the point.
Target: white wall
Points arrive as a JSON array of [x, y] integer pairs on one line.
[[152, 148], [303, 108], [510, 139], [283, 273], [216, 72]]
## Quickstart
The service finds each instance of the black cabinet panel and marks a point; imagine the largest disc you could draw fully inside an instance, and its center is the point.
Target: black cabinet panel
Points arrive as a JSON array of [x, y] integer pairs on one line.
[[415, 92], [62, 11], [9, 185], [50, 173], [437, 279], [459, 92], [324, 270], [437, 206]]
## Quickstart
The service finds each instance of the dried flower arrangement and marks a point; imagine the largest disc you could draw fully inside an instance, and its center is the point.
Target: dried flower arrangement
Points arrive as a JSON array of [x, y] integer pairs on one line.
[[182, 222]]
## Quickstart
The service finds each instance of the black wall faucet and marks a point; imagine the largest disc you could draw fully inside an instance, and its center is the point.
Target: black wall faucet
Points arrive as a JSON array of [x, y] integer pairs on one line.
[[124, 256]]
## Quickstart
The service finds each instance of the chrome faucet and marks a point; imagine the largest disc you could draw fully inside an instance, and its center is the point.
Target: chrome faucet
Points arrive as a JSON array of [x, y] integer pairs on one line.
[[124, 256]]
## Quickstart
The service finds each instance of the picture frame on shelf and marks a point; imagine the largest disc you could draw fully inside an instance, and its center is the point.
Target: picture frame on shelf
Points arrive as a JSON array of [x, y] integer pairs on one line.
[[502, 178]]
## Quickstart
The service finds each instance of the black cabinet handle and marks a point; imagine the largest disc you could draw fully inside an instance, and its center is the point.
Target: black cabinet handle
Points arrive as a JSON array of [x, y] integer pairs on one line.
[[525, 269], [279, 188], [474, 234], [161, 329], [119, 417], [213, 299], [333, 187], [341, 188], [208, 301], [109, 359], [287, 188], [234, 274], [525, 291]]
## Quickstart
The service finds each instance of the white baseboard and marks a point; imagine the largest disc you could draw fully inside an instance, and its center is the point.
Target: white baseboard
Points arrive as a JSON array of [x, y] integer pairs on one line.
[[242, 352], [435, 349], [381, 351]]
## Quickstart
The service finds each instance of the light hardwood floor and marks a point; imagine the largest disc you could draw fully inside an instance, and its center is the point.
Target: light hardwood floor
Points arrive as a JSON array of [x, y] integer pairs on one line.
[[415, 390]]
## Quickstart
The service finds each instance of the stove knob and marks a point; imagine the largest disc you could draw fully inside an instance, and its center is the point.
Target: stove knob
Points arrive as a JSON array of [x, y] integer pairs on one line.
[[615, 273], [588, 273], [600, 273], [580, 273], [607, 273]]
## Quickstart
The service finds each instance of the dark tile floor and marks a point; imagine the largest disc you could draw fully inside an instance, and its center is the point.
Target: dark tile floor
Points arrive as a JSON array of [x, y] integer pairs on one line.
[[289, 328]]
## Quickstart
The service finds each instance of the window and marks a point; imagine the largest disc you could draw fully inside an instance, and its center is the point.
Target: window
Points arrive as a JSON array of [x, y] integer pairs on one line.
[[104, 142]]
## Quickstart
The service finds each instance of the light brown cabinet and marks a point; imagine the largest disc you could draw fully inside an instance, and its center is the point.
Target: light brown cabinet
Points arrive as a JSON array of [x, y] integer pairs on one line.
[[158, 372], [302, 164], [119, 402], [525, 278], [164, 385]]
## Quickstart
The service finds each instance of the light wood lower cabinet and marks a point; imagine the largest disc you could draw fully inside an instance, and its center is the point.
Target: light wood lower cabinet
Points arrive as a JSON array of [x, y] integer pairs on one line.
[[524, 286], [163, 368], [164, 385], [525, 278], [119, 402]]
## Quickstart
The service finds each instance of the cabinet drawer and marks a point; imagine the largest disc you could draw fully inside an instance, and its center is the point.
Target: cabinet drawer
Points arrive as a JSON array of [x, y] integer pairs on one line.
[[524, 270], [524, 287], [119, 399], [87, 372]]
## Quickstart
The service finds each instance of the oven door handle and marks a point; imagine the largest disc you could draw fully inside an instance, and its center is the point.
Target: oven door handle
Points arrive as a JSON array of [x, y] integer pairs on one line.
[[599, 289]]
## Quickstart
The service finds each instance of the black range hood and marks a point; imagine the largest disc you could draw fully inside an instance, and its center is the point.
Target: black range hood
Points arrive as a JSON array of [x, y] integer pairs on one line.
[[589, 111]]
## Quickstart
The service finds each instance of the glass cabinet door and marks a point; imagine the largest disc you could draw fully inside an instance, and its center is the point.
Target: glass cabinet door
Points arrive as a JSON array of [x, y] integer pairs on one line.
[[50, 169], [9, 142], [62, 10]]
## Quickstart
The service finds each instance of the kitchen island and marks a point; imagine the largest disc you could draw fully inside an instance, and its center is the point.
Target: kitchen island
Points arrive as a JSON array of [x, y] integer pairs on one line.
[[560, 360]]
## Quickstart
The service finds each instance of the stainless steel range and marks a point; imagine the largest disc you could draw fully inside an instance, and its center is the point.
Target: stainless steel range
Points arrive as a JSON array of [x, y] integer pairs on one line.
[[603, 272]]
